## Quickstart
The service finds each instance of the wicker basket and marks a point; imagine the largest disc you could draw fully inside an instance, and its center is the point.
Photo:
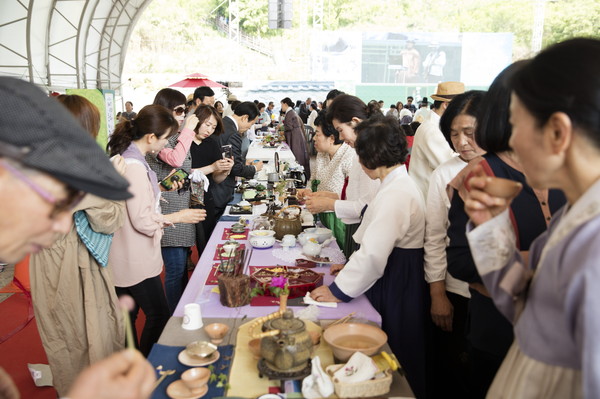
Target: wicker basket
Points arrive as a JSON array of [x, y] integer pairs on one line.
[[363, 389]]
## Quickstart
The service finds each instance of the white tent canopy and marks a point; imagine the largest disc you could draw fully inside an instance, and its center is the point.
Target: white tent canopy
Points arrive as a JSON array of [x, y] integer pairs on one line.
[[67, 43]]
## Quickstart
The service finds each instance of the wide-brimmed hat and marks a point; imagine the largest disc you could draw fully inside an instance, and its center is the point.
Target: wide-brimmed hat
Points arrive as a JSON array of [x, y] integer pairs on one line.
[[41, 133], [446, 91], [232, 97]]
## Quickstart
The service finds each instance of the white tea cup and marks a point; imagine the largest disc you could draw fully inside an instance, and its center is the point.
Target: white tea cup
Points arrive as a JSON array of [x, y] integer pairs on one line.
[[192, 318]]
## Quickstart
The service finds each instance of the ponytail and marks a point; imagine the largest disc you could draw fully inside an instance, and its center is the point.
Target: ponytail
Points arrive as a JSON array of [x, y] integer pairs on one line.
[[152, 119]]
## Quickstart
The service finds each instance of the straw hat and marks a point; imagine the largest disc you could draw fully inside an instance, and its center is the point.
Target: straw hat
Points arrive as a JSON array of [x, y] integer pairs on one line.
[[447, 90]]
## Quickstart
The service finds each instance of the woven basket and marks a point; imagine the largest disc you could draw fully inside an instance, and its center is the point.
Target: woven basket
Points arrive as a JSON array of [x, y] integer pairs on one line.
[[363, 389]]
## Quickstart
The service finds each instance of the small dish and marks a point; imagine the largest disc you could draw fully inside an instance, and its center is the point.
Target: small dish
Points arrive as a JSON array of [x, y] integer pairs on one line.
[[195, 378], [216, 332], [187, 360], [178, 390], [200, 349]]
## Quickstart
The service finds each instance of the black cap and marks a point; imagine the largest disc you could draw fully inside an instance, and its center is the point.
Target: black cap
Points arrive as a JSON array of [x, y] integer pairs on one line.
[[41, 133]]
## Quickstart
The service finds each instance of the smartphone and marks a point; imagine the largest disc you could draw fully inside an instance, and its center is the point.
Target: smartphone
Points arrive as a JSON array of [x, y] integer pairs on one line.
[[227, 151], [179, 175]]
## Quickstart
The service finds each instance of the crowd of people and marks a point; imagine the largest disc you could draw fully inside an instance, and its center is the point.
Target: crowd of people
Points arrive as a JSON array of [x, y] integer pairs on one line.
[[480, 293]]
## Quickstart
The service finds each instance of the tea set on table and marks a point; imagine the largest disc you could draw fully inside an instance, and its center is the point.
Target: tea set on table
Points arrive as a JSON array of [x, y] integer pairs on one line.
[[198, 354]]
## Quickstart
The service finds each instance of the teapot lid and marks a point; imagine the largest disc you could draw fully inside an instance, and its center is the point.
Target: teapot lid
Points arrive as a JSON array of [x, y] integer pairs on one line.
[[287, 324]]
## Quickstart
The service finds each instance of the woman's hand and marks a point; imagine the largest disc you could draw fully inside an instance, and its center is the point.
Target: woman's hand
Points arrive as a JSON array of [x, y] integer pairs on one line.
[[323, 294], [442, 311], [301, 193], [223, 165], [319, 204], [186, 216], [191, 122], [335, 268], [175, 186], [481, 206]]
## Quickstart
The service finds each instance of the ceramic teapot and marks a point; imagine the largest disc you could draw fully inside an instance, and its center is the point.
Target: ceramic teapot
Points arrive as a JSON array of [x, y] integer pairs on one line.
[[286, 223], [299, 177], [312, 247]]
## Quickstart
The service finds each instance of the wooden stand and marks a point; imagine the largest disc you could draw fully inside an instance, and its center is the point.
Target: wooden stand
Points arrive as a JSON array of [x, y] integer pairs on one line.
[[234, 291]]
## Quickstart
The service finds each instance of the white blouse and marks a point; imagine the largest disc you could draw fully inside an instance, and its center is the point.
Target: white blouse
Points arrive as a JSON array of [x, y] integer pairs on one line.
[[436, 227], [332, 172], [394, 219], [360, 191]]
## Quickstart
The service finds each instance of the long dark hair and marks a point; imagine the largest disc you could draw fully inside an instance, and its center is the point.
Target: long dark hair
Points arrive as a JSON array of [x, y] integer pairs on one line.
[[493, 130], [204, 112], [151, 119], [345, 107], [564, 78], [169, 98]]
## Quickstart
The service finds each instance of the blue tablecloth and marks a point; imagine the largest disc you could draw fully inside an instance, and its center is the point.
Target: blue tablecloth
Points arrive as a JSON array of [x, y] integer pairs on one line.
[[166, 356]]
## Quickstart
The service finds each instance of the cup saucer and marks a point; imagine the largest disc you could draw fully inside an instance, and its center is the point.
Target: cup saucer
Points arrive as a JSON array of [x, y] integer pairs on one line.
[[178, 390], [188, 360]]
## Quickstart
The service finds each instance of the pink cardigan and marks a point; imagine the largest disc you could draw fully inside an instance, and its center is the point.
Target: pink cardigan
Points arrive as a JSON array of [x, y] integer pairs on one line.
[[176, 156], [135, 252]]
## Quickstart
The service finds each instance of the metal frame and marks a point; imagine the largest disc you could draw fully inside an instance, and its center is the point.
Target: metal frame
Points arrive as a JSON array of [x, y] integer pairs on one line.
[[67, 43]]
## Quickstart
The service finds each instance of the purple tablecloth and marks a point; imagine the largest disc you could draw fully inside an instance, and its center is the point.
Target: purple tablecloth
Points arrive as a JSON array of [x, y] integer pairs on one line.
[[197, 292]]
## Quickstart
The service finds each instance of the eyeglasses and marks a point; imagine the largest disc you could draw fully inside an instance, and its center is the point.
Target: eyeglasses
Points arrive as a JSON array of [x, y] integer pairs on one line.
[[73, 198], [179, 110]]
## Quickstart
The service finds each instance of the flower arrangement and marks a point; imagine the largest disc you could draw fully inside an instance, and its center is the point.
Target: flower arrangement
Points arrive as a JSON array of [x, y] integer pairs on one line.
[[278, 287]]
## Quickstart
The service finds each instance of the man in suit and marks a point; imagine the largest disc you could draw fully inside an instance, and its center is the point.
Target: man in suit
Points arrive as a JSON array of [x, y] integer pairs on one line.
[[235, 126]]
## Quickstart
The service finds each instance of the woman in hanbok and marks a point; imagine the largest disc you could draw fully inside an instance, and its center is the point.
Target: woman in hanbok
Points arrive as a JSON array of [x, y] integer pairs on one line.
[[330, 172], [388, 266], [344, 113], [294, 134], [551, 296]]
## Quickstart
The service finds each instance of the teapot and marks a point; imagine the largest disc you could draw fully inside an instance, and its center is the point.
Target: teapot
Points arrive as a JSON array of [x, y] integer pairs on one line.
[[262, 223], [311, 246], [288, 350], [286, 223]]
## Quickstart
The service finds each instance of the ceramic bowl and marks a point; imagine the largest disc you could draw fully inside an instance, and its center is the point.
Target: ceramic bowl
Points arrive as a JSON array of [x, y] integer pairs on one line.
[[322, 234], [216, 332], [195, 378], [347, 338], [254, 346], [262, 238], [200, 349], [503, 188]]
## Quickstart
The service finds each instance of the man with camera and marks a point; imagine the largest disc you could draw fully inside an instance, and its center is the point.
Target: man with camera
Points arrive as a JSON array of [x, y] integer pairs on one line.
[[235, 126]]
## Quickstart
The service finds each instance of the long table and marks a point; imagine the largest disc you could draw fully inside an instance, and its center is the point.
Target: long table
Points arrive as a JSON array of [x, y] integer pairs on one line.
[[198, 292], [258, 151]]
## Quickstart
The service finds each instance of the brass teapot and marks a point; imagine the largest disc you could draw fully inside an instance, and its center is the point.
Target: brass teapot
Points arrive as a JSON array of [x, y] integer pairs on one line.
[[286, 223], [285, 345]]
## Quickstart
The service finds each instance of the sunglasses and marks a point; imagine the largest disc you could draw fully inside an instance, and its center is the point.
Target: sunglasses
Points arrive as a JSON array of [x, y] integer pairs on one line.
[[179, 111], [60, 206]]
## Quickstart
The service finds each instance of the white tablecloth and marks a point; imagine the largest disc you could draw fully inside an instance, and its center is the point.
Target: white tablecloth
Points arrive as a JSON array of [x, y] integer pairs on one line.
[[257, 151]]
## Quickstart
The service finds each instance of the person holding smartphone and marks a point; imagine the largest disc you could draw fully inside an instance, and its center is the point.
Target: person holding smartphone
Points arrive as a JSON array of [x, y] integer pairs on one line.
[[178, 239], [244, 116], [135, 253]]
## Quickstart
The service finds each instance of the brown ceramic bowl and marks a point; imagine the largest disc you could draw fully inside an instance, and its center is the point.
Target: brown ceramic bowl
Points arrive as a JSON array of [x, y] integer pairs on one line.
[[216, 332], [200, 349], [347, 338], [195, 378], [254, 346], [503, 188]]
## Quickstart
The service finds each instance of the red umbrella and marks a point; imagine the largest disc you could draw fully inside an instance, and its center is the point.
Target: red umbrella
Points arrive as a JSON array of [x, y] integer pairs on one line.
[[196, 80]]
